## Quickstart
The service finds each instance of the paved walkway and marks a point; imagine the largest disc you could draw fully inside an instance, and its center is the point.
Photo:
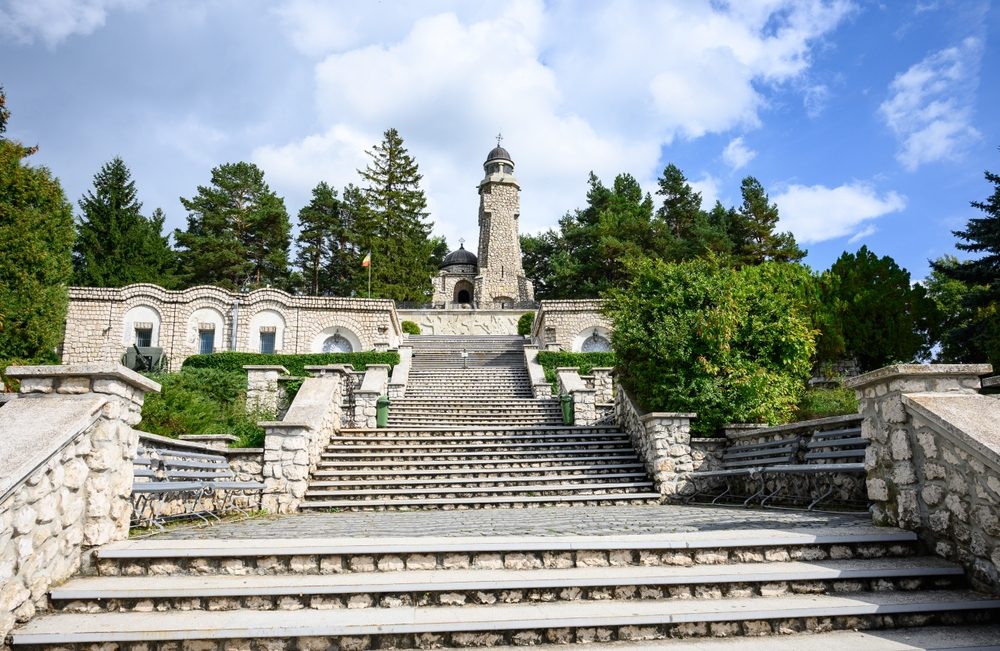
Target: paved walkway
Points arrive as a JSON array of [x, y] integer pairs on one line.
[[546, 521]]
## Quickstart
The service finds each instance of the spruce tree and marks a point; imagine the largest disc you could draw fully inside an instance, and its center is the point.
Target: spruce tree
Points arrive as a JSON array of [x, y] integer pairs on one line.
[[237, 232], [394, 228], [36, 229], [752, 230], [980, 337], [115, 244], [327, 254]]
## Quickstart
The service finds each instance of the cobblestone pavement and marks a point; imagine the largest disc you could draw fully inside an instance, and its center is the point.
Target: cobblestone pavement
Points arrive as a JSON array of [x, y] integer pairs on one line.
[[550, 521]]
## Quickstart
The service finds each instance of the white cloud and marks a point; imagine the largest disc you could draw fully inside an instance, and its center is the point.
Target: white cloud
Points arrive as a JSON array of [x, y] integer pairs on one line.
[[737, 154], [708, 186], [867, 231], [930, 105], [814, 99], [52, 21], [574, 88], [814, 213]]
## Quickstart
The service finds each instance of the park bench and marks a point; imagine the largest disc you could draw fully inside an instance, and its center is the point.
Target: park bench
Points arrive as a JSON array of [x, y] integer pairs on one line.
[[743, 463], [831, 452], [202, 483]]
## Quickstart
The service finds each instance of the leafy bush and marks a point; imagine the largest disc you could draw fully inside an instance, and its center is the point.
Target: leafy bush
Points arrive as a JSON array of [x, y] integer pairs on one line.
[[294, 363], [550, 361], [525, 322], [410, 327], [202, 401], [818, 403], [731, 345]]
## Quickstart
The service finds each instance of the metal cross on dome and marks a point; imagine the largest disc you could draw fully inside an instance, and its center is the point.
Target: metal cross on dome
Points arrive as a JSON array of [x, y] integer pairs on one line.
[[499, 138]]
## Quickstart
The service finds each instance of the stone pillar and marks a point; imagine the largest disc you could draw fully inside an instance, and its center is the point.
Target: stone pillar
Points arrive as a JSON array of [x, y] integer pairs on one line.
[[262, 387], [892, 479], [584, 406], [374, 384], [603, 384]]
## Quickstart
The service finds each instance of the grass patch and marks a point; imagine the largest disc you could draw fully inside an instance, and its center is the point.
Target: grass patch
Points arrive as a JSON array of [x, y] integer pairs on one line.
[[202, 401], [295, 364], [818, 403], [550, 361]]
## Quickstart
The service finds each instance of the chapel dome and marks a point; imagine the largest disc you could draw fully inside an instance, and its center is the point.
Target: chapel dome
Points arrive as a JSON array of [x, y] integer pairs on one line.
[[459, 257], [498, 153]]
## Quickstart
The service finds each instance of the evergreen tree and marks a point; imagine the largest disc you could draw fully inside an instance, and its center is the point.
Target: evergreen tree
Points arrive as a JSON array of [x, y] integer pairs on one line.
[[115, 244], [237, 233], [685, 231], [981, 276], [326, 253], [394, 227], [956, 332], [36, 229], [752, 229]]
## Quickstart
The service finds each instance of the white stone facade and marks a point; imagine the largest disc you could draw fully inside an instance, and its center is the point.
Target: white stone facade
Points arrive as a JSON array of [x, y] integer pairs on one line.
[[572, 326], [464, 322], [102, 323]]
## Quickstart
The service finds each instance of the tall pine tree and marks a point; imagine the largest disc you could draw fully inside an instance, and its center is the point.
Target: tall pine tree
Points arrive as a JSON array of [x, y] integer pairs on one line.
[[327, 254], [237, 233], [752, 229], [393, 225], [115, 244]]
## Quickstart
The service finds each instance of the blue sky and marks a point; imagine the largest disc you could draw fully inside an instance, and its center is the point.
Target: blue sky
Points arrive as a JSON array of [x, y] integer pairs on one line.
[[868, 123]]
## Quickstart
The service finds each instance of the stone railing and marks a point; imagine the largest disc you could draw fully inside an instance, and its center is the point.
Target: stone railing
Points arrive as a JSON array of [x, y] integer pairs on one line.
[[292, 446], [933, 460], [400, 373], [584, 406], [663, 441], [66, 451], [540, 388], [263, 391], [375, 384]]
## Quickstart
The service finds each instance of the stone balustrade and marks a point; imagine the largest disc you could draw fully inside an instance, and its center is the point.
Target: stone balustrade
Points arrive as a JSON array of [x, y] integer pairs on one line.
[[401, 373], [374, 384], [540, 387], [933, 460], [66, 451], [292, 446], [584, 406], [263, 391], [663, 441]]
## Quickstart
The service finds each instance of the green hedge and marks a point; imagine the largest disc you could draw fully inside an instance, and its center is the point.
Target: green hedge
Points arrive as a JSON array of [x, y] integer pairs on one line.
[[525, 322], [294, 363], [410, 327], [550, 361], [820, 403]]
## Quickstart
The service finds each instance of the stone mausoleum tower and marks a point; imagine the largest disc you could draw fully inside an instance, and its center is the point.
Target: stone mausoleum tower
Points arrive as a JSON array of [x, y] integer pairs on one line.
[[496, 278]]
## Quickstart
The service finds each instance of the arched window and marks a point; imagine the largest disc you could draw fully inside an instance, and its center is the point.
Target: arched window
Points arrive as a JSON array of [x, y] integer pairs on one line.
[[595, 343], [337, 344]]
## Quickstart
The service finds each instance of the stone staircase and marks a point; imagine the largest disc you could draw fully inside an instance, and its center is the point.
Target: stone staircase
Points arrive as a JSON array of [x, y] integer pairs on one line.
[[468, 434], [360, 593]]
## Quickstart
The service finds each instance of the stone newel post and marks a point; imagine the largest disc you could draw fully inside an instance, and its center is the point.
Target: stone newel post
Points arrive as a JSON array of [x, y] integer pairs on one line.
[[584, 406], [262, 387]]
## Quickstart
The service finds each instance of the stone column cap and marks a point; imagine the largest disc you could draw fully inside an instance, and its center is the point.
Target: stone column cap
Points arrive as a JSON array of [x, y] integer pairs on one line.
[[378, 366], [328, 368], [266, 367], [602, 368], [94, 371], [929, 371], [667, 414]]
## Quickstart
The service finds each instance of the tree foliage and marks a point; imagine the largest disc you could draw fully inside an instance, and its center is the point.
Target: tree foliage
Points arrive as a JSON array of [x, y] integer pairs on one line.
[[976, 337], [877, 314], [237, 232], [732, 345], [115, 244], [752, 225], [391, 223], [327, 254], [36, 229]]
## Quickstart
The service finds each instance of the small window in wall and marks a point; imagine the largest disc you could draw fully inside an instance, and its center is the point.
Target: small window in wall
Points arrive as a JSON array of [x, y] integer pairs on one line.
[[206, 341], [267, 334], [143, 335]]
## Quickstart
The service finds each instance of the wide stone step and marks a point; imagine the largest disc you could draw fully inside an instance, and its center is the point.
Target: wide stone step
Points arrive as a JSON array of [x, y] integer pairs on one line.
[[480, 479], [375, 437], [505, 463], [484, 501], [483, 430], [527, 583], [402, 447], [507, 456], [529, 471], [469, 420], [472, 491], [498, 623]]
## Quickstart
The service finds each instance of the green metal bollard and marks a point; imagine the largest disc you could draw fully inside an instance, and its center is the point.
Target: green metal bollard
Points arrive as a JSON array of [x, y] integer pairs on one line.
[[566, 400], [382, 411]]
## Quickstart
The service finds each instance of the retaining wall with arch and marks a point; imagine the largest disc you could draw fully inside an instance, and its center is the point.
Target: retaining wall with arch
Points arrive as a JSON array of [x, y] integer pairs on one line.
[[568, 325], [101, 322]]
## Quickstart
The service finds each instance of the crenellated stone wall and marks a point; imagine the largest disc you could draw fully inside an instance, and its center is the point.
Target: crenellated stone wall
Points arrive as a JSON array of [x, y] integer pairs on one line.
[[567, 325], [66, 450], [933, 460], [101, 322]]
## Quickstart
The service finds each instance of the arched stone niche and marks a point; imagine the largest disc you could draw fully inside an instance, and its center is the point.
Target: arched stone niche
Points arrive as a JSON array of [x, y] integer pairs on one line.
[[266, 319], [594, 339], [464, 291], [337, 339], [199, 319], [139, 317]]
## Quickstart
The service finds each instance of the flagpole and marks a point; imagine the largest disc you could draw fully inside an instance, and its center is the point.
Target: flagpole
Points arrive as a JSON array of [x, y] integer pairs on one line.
[[369, 275]]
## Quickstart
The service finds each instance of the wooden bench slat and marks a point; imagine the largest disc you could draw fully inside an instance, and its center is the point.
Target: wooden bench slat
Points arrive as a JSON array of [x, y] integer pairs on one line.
[[841, 454], [836, 432], [174, 454], [785, 450], [837, 443]]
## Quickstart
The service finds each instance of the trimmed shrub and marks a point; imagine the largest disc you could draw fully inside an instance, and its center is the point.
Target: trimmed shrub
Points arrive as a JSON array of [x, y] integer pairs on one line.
[[732, 345], [410, 327], [819, 403], [525, 322], [550, 361], [294, 363]]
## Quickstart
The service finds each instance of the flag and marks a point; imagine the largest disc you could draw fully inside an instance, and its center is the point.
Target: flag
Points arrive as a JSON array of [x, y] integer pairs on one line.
[[367, 262]]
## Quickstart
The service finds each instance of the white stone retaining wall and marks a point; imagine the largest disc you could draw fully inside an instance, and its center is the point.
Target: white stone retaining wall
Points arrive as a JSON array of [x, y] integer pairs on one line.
[[540, 388], [292, 446], [460, 321], [559, 325], [663, 441], [66, 450], [933, 462], [263, 392], [100, 322]]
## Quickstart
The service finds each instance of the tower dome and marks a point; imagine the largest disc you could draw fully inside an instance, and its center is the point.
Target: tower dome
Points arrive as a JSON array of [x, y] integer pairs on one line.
[[459, 257], [498, 153], [498, 161]]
